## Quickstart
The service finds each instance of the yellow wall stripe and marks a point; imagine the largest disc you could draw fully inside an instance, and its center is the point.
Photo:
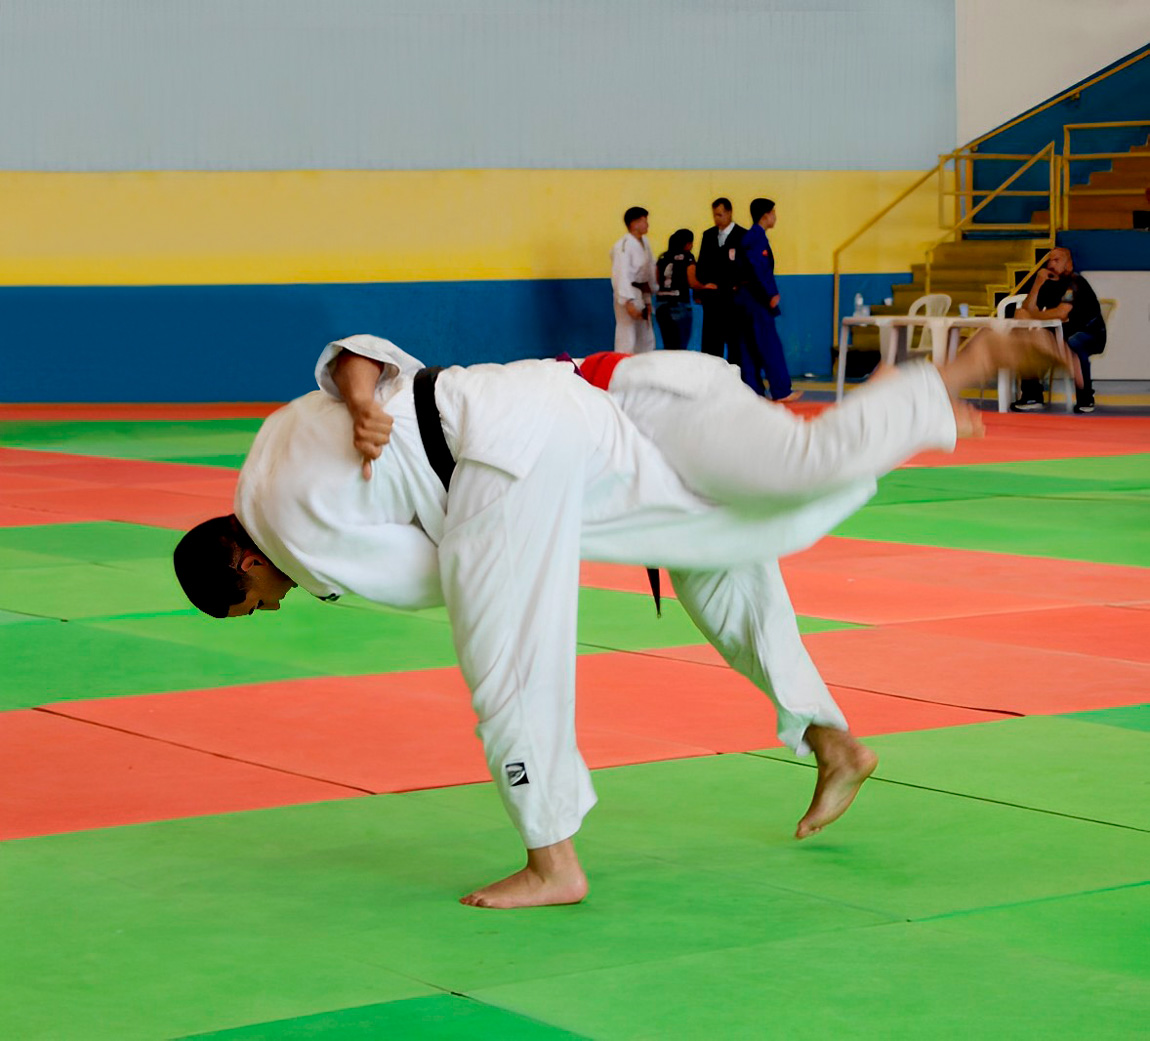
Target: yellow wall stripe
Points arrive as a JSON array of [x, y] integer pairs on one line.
[[157, 228]]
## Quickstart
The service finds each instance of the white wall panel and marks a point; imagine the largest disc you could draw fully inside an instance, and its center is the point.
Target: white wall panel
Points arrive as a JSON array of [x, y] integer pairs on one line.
[[424, 84], [1014, 54]]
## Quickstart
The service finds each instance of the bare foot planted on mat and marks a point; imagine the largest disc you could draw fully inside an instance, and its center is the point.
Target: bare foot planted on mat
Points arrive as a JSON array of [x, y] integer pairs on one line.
[[552, 876], [843, 766]]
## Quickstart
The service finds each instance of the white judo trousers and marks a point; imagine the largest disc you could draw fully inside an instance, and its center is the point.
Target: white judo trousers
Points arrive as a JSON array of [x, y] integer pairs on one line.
[[510, 550], [633, 335]]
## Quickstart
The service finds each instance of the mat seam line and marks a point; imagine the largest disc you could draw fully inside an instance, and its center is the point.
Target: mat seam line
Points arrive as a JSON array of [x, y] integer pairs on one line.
[[202, 751], [968, 795]]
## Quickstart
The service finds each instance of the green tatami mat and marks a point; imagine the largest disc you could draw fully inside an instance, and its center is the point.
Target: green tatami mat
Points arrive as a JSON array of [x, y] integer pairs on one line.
[[252, 917], [1131, 717], [75, 591], [446, 1017], [99, 542], [1114, 471], [15, 618], [900, 982], [228, 460], [134, 439], [1129, 474], [1103, 930], [1052, 763], [1070, 529], [65, 661]]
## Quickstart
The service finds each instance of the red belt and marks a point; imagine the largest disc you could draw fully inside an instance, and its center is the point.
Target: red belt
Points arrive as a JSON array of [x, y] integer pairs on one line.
[[599, 368]]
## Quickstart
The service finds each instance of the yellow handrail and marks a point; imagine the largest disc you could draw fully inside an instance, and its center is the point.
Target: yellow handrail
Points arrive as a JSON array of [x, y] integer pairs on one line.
[[862, 231], [1061, 97], [1068, 158], [1049, 153], [1025, 278]]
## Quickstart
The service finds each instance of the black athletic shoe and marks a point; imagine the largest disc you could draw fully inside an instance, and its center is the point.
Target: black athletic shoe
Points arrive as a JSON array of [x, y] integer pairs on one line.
[[1028, 405], [1084, 408]]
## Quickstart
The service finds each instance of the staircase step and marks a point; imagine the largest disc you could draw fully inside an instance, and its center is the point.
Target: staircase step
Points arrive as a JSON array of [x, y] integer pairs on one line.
[[1122, 178], [982, 273], [975, 252]]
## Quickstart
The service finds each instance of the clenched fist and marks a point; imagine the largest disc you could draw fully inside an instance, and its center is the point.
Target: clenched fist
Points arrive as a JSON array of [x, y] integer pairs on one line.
[[371, 430]]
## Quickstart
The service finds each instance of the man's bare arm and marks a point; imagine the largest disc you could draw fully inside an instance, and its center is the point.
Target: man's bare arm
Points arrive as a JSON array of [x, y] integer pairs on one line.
[[356, 377], [1029, 307]]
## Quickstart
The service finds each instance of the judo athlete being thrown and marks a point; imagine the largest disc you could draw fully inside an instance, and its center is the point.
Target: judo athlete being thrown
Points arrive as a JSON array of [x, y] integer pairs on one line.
[[487, 484]]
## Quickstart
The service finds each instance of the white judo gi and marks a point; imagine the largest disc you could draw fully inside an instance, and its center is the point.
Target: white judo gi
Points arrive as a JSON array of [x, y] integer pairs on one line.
[[632, 264], [550, 469]]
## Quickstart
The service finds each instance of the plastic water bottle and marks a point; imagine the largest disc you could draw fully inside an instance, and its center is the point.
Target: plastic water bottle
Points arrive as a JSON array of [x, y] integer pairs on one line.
[[859, 305]]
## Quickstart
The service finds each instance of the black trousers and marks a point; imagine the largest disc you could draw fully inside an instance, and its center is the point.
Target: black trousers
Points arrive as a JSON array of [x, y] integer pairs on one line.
[[722, 329]]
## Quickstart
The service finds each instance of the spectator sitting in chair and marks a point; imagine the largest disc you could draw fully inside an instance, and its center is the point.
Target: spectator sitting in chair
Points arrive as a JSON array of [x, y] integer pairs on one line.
[[1060, 292]]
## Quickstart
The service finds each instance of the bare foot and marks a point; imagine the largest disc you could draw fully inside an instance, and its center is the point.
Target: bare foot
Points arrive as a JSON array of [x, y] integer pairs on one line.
[[553, 875], [968, 420], [843, 766], [794, 395]]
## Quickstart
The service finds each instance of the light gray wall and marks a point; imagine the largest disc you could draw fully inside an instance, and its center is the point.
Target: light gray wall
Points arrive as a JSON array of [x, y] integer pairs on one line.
[[427, 84]]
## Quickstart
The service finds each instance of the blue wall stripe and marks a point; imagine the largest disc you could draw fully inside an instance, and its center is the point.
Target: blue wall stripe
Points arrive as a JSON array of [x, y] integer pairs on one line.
[[259, 343]]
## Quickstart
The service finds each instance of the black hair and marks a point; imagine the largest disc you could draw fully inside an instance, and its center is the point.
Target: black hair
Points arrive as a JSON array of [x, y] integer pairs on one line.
[[760, 208], [723, 201], [633, 214], [207, 559], [677, 243]]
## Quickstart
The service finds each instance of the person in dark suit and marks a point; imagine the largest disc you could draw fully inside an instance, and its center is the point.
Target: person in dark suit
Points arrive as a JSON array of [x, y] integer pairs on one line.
[[758, 298], [718, 265]]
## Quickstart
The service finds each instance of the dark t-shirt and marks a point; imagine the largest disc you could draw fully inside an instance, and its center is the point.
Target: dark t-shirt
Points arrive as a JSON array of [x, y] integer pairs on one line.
[[1085, 311], [673, 287]]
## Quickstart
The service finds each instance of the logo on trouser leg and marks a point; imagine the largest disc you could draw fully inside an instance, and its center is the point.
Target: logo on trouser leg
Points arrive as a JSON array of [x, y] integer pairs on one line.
[[516, 774]]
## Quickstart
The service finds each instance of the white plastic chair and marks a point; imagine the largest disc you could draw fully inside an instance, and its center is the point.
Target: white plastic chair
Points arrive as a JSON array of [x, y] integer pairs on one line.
[[933, 305], [1068, 390], [1009, 301]]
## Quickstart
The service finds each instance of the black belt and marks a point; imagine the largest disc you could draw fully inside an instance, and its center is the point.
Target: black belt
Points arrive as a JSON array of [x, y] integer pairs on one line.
[[439, 455], [431, 425]]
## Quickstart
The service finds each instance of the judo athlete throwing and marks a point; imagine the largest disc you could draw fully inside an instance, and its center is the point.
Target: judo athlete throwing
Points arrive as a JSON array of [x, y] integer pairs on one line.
[[488, 483]]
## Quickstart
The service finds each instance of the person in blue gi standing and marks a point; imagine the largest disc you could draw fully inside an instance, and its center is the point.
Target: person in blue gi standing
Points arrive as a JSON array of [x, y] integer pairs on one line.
[[719, 267], [758, 297], [676, 278]]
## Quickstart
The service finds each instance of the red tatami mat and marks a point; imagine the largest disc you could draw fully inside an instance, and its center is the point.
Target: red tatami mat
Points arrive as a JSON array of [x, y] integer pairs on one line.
[[1012, 438], [132, 504], [103, 470], [21, 517], [1099, 632], [394, 732], [175, 412], [385, 733], [958, 669], [881, 582], [1063, 580], [62, 775]]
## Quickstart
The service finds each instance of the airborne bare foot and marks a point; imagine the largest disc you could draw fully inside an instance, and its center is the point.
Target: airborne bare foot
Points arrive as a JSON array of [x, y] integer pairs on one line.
[[794, 395], [843, 766], [553, 875], [968, 420]]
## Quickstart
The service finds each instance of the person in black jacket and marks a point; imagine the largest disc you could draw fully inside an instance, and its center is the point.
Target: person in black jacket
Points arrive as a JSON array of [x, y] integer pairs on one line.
[[1060, 292], [676, 278], [718, 266]]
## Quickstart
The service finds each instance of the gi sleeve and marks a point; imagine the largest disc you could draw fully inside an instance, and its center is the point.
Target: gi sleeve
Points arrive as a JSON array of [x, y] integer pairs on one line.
[[762, 261], [395, 361]]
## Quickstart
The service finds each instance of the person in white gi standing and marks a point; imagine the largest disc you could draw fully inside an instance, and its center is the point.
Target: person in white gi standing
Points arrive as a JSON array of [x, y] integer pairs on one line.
[[547, 468], [632, 281]]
